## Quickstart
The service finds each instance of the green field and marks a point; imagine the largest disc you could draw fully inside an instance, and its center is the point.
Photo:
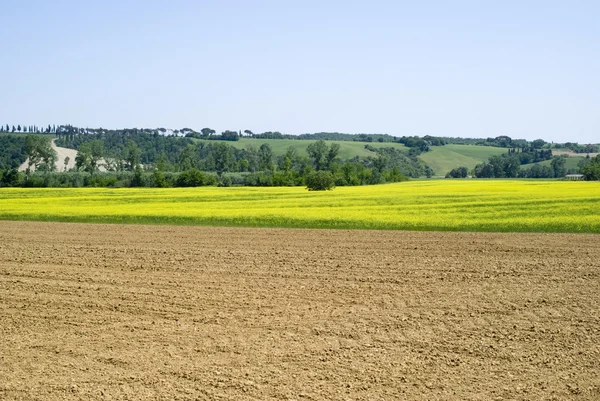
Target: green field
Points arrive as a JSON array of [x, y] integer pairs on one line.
[[570, 163], [348, 149], [442, 159], [454, 205]]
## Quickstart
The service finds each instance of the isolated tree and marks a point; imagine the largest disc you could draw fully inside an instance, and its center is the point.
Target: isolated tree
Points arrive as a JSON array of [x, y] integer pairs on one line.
[[248, 132], [320, 181], [66, 163]]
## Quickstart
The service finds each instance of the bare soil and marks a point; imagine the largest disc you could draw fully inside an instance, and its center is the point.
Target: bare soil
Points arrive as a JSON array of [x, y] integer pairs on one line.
[[96, 312]]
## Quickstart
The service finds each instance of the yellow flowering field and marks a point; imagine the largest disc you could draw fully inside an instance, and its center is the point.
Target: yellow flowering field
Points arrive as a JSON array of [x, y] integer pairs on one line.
[[454, 205]]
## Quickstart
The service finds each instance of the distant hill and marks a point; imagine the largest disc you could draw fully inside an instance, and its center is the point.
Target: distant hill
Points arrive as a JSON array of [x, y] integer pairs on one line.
[[441, 159], [348, 149]]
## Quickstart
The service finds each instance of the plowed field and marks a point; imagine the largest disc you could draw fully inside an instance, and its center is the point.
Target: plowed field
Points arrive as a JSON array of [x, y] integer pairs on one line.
[[144, 312]]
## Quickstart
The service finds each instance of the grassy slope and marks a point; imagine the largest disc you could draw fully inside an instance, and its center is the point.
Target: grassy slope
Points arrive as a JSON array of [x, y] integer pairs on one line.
[[348, 149], [570, 163], [448, 205], [442, 159]]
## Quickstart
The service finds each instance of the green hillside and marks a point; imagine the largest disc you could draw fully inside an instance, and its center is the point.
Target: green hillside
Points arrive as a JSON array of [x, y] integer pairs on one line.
[[570, 163], [348, 149], [442, 159]]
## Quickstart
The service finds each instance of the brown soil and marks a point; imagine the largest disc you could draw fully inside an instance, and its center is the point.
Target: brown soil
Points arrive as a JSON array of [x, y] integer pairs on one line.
[[143, 312]]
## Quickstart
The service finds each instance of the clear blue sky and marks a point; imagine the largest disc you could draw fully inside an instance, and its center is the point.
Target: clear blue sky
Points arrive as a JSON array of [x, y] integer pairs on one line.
[[527, 69]]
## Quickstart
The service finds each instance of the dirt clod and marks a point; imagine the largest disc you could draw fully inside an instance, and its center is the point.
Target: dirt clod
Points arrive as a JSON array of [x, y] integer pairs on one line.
[[147, 312]]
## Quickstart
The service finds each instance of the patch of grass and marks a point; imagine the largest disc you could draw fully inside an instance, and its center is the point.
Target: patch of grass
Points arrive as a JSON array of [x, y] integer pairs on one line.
[[570, 163], [445, 205], [442, 159], [348, 149]]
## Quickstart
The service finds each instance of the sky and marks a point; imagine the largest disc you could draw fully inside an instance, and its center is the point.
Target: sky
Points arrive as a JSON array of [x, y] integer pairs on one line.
[[527, 69]]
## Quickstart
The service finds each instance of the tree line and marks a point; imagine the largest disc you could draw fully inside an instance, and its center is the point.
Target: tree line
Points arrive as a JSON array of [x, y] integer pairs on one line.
[[141, 159], [509, 165]]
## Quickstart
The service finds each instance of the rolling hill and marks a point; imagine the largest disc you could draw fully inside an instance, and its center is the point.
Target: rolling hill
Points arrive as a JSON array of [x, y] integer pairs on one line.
[[442, 159], [570, 163], [348, 149]]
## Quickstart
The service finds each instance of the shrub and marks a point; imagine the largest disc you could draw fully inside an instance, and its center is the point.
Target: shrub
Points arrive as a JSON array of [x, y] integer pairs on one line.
[[459, 172], [195, 178], [320, 181]]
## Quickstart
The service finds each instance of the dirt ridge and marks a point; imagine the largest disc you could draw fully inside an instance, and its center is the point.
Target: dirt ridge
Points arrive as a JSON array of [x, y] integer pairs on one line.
[[143, 312]]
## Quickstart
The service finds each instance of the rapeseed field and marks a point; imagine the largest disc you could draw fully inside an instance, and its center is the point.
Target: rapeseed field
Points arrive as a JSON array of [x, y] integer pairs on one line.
[[449, 205]]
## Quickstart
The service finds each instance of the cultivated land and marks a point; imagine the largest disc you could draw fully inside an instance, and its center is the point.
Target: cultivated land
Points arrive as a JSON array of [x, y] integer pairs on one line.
[[450, 205], [348, 149], [571, 163], [98, 312], [442, 159]]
